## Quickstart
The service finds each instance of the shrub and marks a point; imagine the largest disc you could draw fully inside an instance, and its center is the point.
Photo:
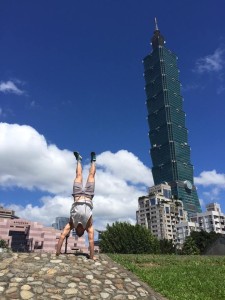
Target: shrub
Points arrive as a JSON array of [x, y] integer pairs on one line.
[[3, 244]]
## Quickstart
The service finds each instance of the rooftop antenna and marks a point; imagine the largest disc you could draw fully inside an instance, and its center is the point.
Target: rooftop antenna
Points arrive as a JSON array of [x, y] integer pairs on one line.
[[156, 25]]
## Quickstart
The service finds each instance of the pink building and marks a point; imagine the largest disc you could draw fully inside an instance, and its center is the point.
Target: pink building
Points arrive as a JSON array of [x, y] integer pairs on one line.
[[23, 235]]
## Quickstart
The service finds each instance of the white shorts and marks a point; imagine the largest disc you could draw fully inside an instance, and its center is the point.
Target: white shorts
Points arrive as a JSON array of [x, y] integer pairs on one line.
[[80, 212]]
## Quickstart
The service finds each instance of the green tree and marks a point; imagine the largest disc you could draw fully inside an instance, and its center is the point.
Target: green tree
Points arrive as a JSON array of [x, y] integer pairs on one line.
[[189, 247], [122, 237], [201, 239], [167, 246], [204, 239]]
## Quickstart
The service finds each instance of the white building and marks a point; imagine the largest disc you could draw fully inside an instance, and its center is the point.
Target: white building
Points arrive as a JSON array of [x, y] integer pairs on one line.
[[166, 218], [211, 220], [183, 230], [159, 213]]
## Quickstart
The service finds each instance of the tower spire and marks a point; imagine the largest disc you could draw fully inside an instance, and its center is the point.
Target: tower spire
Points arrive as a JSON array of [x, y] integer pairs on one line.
[[157, 39], [156, 24]]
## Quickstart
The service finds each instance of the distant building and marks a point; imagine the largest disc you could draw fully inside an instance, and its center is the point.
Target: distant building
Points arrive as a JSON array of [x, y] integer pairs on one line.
[[211, 220], [97, 242], [23, 235], [166, 218], [159, 213], [60, 222], [7, 213], [168, 135], [183, 230]]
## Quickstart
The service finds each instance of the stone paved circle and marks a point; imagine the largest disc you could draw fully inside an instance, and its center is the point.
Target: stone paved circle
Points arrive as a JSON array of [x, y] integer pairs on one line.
[[43, 276]]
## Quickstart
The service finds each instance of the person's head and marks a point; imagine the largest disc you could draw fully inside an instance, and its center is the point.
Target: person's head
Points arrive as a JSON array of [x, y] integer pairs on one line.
[[80, 230]]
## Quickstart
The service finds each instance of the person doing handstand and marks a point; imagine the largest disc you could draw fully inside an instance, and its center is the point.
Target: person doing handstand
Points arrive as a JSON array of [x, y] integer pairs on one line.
[[81, 210]]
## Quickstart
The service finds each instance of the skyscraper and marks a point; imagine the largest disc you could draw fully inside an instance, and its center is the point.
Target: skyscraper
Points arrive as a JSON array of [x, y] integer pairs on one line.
[[60, 222], [168, 135]]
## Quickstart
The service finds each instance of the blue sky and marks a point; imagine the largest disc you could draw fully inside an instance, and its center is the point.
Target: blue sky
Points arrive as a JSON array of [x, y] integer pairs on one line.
[[71, 77]]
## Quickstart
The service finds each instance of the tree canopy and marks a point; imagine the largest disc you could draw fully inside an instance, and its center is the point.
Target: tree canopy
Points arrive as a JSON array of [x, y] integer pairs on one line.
[[122, 237], [199, 241], [167, 246]]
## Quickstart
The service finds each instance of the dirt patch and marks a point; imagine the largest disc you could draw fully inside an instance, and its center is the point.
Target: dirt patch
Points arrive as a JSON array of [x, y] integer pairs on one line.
[[148, 265]]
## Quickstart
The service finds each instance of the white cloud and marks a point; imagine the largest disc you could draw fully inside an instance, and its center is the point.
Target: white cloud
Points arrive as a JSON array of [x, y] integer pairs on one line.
[[211, 178], [125, 165], [33, 103], [106, 209], [49, 208], [213, 194], [28, 162], [202, 202], [211, 187], [210, 63], [3, 113], [192, 87], [10, 87]]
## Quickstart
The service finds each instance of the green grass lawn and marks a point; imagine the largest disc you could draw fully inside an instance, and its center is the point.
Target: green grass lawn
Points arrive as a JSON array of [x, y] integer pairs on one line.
[[179, 277]]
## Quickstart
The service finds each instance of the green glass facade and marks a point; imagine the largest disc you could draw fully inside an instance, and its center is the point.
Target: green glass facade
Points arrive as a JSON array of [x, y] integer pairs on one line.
[[168, 135]]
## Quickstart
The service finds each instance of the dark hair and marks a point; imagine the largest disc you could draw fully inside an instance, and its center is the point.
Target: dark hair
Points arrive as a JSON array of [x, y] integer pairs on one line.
[[80, 230]]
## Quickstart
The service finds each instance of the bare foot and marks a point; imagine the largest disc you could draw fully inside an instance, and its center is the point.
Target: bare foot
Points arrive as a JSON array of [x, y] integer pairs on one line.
[[94, 258]]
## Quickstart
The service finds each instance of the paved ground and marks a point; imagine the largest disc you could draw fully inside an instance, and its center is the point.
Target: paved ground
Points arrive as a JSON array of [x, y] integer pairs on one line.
[[46, 276]]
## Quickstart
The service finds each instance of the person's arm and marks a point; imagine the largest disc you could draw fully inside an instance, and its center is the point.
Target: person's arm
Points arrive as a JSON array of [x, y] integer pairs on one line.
[[90, 231], [66, 231]]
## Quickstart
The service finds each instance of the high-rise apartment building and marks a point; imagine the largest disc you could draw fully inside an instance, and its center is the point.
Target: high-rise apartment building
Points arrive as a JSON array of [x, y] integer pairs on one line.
[[168, 135], [212, 219], [159, 213]]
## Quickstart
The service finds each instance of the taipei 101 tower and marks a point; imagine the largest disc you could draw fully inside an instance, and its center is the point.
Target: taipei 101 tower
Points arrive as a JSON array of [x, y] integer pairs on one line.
[[168, 135]]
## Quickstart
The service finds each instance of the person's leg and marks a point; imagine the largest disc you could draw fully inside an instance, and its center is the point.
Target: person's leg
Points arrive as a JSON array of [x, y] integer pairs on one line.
[[65, 232], [90, 184], [92, 170], [78, 177]]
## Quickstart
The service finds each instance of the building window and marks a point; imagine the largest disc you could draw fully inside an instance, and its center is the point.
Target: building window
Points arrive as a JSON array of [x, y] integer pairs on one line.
[[167, 210], [152, 201], [167, 193]]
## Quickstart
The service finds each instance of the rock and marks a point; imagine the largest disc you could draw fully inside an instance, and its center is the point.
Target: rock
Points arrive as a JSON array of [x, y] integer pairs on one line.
[[26, 294]]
